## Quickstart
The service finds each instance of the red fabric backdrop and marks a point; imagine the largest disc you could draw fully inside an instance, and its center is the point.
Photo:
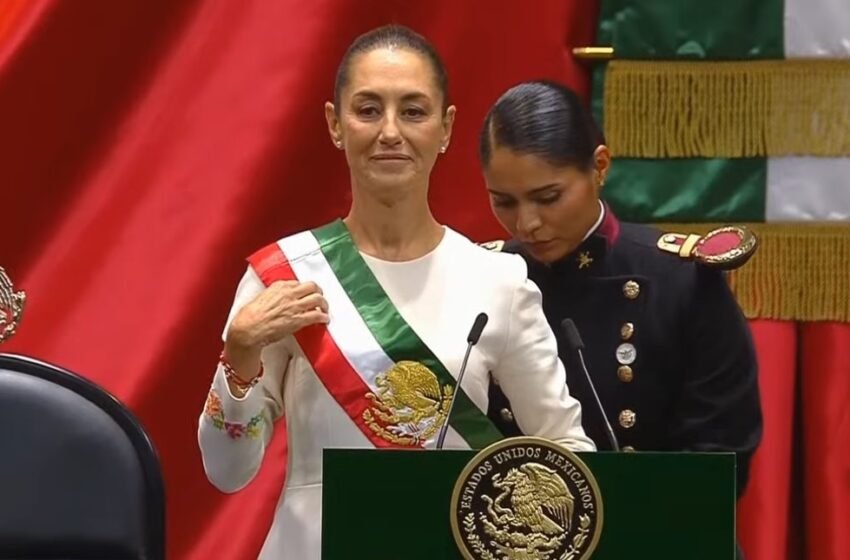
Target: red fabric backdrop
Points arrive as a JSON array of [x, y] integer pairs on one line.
[[146, 147]]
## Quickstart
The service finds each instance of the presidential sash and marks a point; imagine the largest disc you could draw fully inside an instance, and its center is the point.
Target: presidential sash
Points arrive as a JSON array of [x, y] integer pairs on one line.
[[391, 385]]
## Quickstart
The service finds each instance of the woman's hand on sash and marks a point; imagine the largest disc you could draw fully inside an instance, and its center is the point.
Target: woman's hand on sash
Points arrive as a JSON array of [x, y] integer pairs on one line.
[[282, 309]]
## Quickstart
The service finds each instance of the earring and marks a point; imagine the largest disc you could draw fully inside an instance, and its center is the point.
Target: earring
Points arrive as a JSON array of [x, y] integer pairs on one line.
[[338, 144], [443, 149]]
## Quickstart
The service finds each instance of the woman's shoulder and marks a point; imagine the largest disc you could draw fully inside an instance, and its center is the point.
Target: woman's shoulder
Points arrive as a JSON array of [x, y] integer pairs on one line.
[[636, 253], [487, 262]]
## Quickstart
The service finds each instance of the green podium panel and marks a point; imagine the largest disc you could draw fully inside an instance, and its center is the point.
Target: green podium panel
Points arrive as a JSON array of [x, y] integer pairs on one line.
[[395, 505]]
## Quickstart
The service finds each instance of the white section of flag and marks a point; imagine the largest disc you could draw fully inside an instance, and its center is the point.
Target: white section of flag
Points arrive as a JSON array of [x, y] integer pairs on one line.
[[817, 28], [811, 188], [808, 189]]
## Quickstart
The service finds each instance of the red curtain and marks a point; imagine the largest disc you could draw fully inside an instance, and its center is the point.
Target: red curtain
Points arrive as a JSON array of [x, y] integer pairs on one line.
[[147, 147], [798, 503], [764, 513], [825, 398]]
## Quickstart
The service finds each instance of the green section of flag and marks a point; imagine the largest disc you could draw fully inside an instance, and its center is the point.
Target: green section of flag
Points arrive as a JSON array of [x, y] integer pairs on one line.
[[687, 190], [691, 29], [683, 190]]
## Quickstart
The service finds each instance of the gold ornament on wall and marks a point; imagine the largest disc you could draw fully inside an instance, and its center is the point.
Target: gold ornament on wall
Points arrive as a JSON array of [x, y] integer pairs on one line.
[[11, 306]]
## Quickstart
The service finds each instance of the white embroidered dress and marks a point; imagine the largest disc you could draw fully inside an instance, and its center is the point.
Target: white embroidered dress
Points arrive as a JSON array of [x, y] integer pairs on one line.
[[439, 295]]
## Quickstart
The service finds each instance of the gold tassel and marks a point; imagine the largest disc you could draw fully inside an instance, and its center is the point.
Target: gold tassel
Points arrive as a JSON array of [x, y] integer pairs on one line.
[[727, 109], [800, 272]]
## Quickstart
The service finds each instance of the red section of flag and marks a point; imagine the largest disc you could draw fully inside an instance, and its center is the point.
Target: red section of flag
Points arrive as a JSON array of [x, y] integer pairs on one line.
[[765, 510], [826, 433]]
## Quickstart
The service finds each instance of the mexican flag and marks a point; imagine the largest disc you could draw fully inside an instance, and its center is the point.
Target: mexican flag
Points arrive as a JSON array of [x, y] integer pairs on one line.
[[738, 111]]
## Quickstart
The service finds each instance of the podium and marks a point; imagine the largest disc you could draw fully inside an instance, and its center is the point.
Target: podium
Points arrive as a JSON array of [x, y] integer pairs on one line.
[[397, 504]]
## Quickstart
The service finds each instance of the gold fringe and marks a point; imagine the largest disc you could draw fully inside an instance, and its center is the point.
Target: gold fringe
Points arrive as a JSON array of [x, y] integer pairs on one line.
[[727, 109], [800, 271]]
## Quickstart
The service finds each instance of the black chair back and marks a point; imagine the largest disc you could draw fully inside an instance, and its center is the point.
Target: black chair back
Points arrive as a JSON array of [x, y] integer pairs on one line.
[[79, 477]]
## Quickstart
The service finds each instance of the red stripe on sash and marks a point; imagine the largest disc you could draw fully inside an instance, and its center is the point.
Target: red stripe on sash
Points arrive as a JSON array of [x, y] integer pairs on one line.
[[334, 371]]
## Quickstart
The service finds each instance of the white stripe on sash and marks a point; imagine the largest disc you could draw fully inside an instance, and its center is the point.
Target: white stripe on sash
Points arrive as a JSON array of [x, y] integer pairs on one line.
[[347, 328]]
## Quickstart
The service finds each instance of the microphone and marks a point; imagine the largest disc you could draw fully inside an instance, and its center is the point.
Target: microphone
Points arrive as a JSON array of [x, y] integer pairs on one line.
[[471, 340], [576, 345]]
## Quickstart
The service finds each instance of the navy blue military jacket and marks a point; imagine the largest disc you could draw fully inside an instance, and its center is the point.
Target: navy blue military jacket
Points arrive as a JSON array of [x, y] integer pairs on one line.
[[668, 348]]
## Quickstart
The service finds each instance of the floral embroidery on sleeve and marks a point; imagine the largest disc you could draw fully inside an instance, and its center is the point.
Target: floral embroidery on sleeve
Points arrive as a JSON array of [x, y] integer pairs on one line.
[[215, 412]]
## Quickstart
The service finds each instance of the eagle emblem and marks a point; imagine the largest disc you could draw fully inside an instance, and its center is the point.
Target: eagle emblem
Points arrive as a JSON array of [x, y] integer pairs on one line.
[[539, 500], [409, 406], [526, 499]]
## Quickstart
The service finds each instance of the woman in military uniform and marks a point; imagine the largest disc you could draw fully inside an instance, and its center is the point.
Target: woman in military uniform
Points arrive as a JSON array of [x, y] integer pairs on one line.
[[667, 346]]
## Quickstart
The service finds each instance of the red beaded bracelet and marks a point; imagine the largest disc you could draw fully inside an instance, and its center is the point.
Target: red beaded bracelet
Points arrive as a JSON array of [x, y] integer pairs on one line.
[[230, 374]]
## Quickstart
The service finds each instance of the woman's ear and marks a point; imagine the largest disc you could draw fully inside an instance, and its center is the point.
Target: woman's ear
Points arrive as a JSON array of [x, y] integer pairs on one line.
[[601, 165], [333, 125], [448, 125]]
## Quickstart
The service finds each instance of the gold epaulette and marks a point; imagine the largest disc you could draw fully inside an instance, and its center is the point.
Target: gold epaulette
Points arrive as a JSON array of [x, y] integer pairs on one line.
[[726, 248]]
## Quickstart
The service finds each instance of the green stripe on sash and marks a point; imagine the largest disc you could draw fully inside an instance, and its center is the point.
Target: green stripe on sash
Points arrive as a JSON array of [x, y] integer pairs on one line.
[[392, 332]]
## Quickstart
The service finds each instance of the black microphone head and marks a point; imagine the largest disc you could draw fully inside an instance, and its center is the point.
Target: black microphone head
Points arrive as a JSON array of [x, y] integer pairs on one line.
[[477, 328], [571, 335]]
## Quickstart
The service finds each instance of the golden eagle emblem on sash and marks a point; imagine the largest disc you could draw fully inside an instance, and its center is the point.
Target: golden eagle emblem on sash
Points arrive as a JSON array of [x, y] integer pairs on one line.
[[410, 405]]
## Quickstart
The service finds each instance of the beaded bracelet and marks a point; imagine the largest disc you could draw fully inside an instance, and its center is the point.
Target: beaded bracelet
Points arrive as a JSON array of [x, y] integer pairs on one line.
[[230, 375]]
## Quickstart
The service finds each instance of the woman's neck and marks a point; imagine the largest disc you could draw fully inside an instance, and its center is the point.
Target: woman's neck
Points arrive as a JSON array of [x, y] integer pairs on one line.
[[399, 230]]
